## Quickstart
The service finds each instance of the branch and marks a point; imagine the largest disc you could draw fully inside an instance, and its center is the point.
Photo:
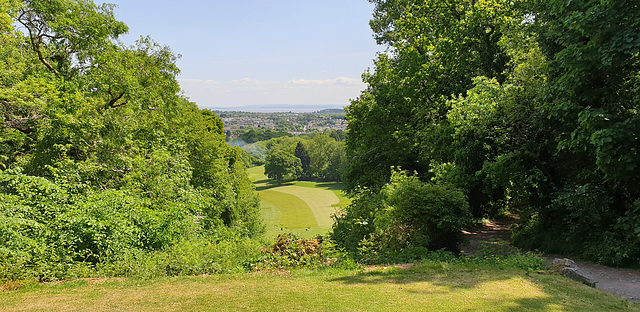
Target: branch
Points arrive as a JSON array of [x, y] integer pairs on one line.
[[36, 47], [19, 124], [35, 41], [119, 104], [113, 101], [6, 111]]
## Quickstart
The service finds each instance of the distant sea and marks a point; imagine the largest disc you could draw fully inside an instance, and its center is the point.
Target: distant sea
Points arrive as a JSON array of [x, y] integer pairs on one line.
[[276, 108]]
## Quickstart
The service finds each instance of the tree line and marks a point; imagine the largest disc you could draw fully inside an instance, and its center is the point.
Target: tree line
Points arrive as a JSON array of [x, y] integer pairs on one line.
[[529, 107], [310, 157]]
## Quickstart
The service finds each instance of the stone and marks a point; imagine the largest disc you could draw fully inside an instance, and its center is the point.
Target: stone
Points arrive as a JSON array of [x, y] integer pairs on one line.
[[568, 268]]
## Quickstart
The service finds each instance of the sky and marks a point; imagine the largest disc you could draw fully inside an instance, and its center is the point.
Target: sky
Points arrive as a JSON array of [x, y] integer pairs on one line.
[[257, 52]]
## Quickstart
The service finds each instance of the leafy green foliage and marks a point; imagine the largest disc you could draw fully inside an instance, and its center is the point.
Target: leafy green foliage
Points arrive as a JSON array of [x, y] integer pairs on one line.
[[527, 106], [320, 157], [305, 160], [255, 135], [326, 158], [433, 215], [592, 47], [102, 159], [281, 164], [221, 251], [405, 214], [356, 221], [438, 48]]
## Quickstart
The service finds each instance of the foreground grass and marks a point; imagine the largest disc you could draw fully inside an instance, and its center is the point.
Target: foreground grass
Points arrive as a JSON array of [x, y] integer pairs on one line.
[[429, 287]]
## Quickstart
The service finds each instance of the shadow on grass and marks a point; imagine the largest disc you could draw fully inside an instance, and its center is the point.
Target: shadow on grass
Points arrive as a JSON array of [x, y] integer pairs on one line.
[[438, 274], [267, 184], [331, 186], [549, 292]]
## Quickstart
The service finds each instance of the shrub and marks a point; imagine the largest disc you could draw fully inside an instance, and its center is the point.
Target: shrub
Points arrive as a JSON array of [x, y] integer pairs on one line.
[[406, 213], [356, 221], [291, 251], [581, 222], [434, 216], [223, 250], [49, 233]]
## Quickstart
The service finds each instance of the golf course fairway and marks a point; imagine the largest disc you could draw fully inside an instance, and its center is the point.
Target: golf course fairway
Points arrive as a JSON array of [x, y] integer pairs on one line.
[[303, 208]]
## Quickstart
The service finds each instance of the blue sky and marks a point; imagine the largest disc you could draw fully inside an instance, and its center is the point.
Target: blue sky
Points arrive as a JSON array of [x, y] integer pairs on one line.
[[238, 53]]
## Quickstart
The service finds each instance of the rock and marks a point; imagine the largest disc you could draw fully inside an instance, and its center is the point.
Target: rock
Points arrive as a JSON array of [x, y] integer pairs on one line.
[[568, 268]]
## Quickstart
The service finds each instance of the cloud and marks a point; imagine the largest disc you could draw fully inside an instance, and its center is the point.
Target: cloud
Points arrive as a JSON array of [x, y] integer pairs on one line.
[[336, 81], [243, 80], [243, 92]]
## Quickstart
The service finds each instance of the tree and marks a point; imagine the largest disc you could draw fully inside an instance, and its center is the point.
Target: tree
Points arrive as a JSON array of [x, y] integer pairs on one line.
[[305, 160], [438, 47], [326, 158], [281, 164], [100, 154], [591, 101], [67, 30]]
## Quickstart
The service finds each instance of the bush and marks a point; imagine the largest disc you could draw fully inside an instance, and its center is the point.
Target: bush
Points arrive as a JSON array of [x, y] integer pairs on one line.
[[224, 250], [290, 251], [49, 233], [434, 216], [406, 213], [581, 222], [356, 221]]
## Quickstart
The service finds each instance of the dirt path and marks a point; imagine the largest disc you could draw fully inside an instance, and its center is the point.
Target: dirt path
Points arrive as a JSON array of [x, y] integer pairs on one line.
[[500, 229], [621, 282]]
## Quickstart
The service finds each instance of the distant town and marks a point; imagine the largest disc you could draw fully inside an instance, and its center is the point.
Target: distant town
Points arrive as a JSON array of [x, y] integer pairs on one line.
[[235, 123]]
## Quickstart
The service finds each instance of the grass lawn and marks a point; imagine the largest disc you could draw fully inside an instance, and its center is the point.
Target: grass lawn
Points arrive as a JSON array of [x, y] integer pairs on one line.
[[319, 201], [294, 211], [428, 287], [299, 207]]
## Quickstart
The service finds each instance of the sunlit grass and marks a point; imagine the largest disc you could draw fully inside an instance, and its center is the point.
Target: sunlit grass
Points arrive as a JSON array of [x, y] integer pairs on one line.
[[256, 173], [430, 287], [319, 201], [283, 213], [295, 212]]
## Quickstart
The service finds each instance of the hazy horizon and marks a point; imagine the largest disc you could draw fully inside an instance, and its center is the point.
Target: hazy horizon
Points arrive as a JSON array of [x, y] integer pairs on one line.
[[275, 108]]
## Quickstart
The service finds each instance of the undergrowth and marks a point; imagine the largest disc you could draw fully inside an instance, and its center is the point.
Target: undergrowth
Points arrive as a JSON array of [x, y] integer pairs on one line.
[[232, 253]]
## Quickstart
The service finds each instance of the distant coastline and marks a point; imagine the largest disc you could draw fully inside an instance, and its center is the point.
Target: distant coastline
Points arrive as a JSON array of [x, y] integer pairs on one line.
[[276, 108]]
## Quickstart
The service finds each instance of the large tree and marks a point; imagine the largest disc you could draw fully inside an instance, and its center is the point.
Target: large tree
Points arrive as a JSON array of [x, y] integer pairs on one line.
[[528, 106], [100, 154], [593, 49], [281, 164], [436, 48]]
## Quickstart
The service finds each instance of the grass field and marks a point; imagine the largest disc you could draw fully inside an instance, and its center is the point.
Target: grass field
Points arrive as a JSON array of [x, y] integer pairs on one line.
[[295, 213], [300, 207], [428, 287]]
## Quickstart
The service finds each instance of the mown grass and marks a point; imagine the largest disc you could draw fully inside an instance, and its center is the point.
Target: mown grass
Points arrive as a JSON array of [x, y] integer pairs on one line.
[[295, 212], [283, 213], [427, 287], [320, 202]]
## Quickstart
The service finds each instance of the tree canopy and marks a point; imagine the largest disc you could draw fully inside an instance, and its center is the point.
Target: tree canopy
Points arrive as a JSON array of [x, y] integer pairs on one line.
[[101, 155], [527, 106]]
